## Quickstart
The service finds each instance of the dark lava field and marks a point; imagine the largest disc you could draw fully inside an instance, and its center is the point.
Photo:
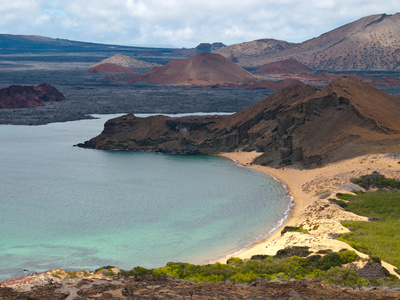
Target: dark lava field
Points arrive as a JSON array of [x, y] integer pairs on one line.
[[88, 93]]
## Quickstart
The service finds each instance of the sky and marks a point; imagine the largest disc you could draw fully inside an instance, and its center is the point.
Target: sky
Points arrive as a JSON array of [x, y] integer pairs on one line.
[[183, 23]]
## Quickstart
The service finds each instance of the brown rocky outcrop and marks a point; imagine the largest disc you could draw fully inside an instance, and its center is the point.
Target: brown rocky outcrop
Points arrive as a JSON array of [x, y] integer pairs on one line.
[[17, 96], [298, 124], [201, 69]]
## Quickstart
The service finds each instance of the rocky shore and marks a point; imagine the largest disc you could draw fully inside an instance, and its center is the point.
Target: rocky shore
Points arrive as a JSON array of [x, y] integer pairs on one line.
[[47, 286]]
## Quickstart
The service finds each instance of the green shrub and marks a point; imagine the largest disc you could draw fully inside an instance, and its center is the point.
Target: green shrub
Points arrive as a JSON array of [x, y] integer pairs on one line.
[[326, 251], [374, 259], [259, 257], [289, 229], [340, 276], [376, 180], [348, 256], [330, 261], [234, 261], [300, 251], [293, 229], [344, 196], [341, 203]]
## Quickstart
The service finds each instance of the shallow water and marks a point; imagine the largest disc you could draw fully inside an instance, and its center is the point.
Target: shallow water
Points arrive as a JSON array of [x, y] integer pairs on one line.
[[72, 208]]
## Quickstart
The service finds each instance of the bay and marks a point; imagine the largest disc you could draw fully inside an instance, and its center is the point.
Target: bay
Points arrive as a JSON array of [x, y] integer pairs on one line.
[[72, 208]]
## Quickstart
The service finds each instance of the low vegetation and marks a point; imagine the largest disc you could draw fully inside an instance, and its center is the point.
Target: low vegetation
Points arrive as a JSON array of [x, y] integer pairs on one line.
[[376, 180], [290, 263], [381, 236]]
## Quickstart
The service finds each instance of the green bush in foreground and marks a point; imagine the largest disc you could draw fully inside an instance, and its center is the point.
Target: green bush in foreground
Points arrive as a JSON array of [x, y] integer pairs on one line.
[[328, 268]]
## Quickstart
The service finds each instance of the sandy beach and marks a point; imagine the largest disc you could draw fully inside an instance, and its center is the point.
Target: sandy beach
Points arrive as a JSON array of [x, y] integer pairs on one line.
[[312, 211]]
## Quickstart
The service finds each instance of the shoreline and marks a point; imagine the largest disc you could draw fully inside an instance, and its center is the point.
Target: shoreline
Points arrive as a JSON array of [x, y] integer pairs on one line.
[[309, 189]]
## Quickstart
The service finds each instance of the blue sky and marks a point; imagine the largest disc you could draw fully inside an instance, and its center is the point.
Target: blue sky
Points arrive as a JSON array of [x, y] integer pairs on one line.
[[183, 23]]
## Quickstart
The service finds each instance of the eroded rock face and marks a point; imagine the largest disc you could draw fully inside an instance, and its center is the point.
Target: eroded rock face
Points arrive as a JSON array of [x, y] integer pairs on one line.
[[298, 124], [17, 96]]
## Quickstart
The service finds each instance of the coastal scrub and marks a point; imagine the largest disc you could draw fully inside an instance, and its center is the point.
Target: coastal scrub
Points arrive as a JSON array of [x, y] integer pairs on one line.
[[381, 236]]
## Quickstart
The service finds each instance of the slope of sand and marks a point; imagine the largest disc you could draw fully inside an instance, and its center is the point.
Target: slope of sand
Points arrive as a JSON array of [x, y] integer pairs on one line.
[[310, 189]]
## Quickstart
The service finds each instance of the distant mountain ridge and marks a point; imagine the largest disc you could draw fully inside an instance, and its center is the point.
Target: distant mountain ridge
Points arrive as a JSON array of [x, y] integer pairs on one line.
[[300, 124], [370, 43]]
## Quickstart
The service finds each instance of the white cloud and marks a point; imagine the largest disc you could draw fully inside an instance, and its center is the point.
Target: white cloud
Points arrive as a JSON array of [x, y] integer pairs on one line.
[[183, 22]]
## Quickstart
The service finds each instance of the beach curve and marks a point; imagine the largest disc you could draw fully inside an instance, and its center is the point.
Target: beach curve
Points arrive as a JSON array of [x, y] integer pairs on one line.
[[309, 188]]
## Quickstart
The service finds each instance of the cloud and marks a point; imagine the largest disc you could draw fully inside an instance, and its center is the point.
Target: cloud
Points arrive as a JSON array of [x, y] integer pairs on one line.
[[183, 23]]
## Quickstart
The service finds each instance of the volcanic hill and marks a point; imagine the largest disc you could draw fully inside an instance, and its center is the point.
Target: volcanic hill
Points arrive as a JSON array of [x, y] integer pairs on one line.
[[17, 96], [108, 68], [126, 61], [201, 69], [370, 43], [288, 66], [299, 124]]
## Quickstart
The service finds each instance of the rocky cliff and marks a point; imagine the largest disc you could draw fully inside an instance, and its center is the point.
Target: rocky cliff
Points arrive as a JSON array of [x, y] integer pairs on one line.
[[300, 124], [17, 96]]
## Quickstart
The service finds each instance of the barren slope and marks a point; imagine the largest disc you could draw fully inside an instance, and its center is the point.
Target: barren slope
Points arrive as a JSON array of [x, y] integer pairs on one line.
[[370, 43], [202, 69], [109, 68]]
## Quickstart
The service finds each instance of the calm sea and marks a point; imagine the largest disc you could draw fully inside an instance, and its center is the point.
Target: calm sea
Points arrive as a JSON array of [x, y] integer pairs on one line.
[[72, 208]]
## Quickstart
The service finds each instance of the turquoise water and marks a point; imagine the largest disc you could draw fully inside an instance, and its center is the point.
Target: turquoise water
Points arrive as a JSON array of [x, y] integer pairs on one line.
[[72, 208]]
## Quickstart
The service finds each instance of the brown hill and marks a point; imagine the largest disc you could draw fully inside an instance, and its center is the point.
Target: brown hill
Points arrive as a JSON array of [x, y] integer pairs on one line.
[[284, 67], [201, 69], [108, 68], [249, 54], [17, 96], [126, 61], [299, 124], [370, 43]]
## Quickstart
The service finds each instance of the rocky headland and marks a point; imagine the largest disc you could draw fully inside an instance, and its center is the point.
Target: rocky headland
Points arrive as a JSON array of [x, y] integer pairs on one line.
[[17, 96], [297, 125]]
